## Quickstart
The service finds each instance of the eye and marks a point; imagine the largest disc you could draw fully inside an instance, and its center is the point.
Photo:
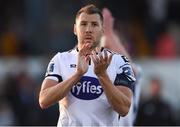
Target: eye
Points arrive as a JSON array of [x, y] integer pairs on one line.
[[83, 24], [94, 24]]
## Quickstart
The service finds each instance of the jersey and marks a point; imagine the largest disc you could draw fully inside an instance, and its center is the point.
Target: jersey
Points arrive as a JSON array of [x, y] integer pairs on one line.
[[86, 103]]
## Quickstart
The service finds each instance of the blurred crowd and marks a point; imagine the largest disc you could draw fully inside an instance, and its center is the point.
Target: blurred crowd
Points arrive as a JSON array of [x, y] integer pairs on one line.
[[149, 28], [20, 85], [40, 28]]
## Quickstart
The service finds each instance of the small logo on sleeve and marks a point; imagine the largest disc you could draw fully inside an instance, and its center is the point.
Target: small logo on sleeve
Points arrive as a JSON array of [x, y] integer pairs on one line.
[[72, 65]]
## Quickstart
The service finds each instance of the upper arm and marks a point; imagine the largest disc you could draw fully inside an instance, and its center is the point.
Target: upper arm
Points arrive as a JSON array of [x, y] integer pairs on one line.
[[53, 75], [53, 71], [126, 91], [124, 75], [47, 83]]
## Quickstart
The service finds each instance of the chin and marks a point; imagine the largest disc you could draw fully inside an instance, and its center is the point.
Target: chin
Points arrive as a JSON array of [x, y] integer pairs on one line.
[[88, 41]]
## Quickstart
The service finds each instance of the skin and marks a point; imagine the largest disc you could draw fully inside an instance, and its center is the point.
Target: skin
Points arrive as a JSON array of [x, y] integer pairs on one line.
[[89, 30]]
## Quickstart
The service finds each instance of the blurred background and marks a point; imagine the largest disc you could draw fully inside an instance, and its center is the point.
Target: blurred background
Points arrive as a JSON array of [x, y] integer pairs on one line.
[[32, 31]]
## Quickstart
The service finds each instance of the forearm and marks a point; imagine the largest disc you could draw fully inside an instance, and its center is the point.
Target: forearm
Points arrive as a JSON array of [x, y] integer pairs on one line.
[[55, 93], [118, 100]]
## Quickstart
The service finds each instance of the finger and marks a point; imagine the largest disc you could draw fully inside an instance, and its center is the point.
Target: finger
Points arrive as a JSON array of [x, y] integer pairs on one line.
[[96, 59], [86, 49], [87, 58], [93, 59], [110, 58], [84, 46], [82, 50], [99, 53], [105, 55], [97, 49], [100, 56]]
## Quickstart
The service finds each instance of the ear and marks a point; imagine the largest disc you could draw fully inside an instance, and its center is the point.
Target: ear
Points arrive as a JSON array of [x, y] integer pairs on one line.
[[75, 32], [103, 30]]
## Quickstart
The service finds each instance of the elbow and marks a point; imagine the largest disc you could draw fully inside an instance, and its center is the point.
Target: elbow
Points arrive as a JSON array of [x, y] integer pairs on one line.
[[126, 109], [43, 104], [123, 110]]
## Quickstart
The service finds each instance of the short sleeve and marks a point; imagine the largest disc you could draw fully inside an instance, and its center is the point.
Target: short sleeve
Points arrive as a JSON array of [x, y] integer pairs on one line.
[[53, 69], [125, 75]]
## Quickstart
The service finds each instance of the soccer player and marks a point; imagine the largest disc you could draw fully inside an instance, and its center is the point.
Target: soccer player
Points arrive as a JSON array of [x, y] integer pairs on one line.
[[111, 41], [92, 84]]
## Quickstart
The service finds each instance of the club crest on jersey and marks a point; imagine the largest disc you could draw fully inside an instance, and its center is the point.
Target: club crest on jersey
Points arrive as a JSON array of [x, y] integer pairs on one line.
[[51, 67], [88, 88]]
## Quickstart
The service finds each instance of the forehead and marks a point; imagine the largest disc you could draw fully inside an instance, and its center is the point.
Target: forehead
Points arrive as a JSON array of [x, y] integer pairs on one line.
[[89, 17]]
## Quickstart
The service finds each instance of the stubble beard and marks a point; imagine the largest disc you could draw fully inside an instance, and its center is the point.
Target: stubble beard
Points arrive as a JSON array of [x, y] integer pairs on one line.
[[95, 44]]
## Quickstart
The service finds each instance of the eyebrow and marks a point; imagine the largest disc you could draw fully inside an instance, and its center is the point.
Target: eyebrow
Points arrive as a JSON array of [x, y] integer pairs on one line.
[[88, 21]]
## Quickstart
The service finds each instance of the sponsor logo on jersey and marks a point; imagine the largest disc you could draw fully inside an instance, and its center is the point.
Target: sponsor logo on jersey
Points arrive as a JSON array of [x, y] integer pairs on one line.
[[88, 88]]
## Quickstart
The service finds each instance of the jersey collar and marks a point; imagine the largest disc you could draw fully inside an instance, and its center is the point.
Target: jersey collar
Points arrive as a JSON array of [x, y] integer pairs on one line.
[[76, 48]]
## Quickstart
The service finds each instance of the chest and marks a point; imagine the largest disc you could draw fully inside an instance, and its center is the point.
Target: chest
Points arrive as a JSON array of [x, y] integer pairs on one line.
[[88, 88], [68, 67]]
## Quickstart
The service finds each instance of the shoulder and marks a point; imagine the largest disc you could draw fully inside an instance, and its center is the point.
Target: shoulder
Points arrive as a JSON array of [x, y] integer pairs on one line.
[[68, 54], [65, 54], [117, 57], [55, 57]]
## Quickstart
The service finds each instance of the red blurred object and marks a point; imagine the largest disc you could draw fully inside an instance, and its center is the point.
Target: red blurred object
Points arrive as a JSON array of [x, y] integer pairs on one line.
[[165, 46]]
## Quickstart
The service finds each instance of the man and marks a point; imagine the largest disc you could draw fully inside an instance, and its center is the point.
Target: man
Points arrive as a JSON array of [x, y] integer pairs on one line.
[[91, 84], [111, 41], [155, 111]]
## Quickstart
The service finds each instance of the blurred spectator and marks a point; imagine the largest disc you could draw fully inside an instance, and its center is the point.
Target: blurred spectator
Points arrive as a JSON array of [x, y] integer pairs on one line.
[[154, 111]]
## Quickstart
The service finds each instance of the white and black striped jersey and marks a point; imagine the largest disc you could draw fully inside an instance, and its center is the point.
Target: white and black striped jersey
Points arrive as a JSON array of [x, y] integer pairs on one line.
[[86, 103]]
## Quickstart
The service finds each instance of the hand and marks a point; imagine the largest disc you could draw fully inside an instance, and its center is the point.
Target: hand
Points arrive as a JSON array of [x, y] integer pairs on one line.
[[109, 34], [101, 62], [108, 21], [83, 59]]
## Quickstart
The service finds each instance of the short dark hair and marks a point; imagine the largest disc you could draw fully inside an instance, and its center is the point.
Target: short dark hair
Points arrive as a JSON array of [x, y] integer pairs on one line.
[[90, 9]]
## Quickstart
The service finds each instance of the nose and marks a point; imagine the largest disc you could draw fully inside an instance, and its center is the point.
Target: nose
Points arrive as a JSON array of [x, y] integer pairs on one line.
[[88, 28]]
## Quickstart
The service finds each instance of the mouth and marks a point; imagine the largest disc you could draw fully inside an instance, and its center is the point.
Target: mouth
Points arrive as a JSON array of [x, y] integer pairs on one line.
[[88, 39]]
